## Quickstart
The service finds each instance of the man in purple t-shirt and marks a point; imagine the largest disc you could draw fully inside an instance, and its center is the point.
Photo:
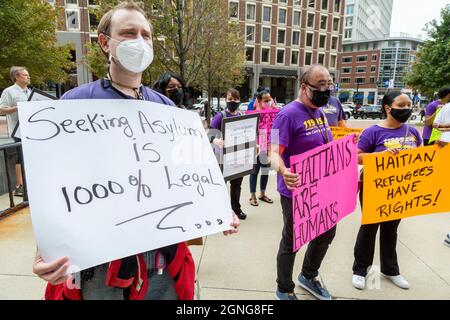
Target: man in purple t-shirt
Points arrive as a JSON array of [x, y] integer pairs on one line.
[[430, 113], [125, 37], [299, 127]]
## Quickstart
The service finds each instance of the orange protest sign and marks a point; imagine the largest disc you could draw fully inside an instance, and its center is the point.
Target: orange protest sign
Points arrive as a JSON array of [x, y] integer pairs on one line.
[[414, 182], [340, 132]]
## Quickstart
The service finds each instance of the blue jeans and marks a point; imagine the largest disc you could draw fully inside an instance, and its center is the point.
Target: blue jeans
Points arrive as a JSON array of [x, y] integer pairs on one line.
[[261, 162], [160, 287]]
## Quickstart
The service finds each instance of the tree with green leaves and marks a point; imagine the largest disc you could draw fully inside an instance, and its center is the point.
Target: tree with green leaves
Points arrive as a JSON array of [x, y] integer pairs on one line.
[[28, 38], [431, 71], [186, 35]]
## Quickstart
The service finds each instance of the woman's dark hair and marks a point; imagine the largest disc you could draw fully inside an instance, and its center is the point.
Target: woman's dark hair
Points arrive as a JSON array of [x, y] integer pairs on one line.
[[388, 100], [443, 93], [234, 93], [161, 83], [261, 94]]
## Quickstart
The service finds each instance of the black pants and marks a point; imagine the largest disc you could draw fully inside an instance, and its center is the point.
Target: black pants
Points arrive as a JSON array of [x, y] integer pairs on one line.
[[365, 247], [286, 257], [235, 194]]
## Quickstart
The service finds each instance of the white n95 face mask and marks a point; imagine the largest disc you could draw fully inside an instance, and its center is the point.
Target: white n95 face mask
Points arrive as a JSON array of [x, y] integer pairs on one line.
[[134, 55]]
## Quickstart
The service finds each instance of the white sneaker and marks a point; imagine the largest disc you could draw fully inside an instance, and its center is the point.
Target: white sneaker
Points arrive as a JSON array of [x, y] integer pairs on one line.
[[359, 282], [399, 281]]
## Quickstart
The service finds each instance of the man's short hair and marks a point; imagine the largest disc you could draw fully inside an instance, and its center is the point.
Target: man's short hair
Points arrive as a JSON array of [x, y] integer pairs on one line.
[[14, 71], [443, 92], [306, 76], [104, 25]]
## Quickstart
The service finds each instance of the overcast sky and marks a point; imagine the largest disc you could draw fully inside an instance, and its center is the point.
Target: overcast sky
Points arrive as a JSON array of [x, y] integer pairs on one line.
[[410, 16]]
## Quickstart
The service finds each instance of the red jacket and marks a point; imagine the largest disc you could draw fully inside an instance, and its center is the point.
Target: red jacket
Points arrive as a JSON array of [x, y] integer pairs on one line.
[[182, 268]]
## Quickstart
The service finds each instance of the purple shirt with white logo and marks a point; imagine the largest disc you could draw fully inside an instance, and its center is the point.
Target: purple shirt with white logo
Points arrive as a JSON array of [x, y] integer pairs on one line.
[[378, 139], [429, 111], [334, 112], [102, 89], [294, 129]]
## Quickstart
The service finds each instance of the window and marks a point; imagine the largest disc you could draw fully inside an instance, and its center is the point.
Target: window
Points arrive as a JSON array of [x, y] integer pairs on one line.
[[250, 33], [374, 57], [333, 61], [73, 19], [372, 80], [362, 59], [363, 47], [93, 23], [75, 2], [360, 80], [325, 5], [265, 55], [345, 80], [309, 39], [346, 70], [334, 43], [283, 1], [348, 34], [337, 5], [336, 24], [297, 15], [350, 9], [311, 3], [281, 36], [266, 34], [347, 59], [323, 22], [251, 11], [267, 13], [308, 58], [282, 16], [280, 56], [294, 58], [296, 38], [373, 69], [322, 41], [249, 53], [348, 48], [321, 59], [349, 22], [234, 10], [310, 23], [297, 2], [360, 69]]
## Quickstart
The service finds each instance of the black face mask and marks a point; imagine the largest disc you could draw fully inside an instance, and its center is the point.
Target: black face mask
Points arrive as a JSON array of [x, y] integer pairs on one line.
[[233, 106], [177, 96], [320, 98], [401, 115]]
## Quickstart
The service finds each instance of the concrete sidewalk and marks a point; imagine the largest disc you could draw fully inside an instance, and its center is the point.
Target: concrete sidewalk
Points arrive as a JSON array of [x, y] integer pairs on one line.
[[243, 266]]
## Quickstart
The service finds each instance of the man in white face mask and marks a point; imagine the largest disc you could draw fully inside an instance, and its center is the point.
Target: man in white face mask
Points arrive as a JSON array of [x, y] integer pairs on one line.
[[125, 37]]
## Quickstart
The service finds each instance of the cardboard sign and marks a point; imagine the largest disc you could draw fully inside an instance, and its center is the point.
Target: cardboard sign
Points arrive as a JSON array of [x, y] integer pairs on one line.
[[112, 178], [414, 182], [340, 132], [327, 191]]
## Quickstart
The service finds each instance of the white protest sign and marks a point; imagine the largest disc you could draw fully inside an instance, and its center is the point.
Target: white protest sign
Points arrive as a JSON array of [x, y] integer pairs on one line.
[[112, 178]]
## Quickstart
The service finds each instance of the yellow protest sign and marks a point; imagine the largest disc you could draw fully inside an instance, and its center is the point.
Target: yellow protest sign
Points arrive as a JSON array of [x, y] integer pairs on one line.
[[340, 132], [414, 182]]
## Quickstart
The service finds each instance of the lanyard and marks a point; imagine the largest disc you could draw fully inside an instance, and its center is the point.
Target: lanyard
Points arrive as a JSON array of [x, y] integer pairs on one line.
[[324, 136]]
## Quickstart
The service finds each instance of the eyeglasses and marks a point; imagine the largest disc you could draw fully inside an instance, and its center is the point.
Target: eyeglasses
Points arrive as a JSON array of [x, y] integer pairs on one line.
[[322, 88]]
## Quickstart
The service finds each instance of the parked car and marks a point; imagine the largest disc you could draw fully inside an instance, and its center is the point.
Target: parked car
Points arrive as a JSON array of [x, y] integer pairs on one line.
[[243, 106], [347, 112], [369, 111], [349, 105]]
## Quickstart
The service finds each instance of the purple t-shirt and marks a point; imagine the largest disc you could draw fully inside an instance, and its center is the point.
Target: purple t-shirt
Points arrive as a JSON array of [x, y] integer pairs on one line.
[[429, 111], [216, 122], [334, 112], [294, 129], [102, 89], [378, 139]]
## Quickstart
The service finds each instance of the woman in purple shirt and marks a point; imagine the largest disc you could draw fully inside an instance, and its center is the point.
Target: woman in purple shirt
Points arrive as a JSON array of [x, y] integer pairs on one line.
[[392, 135]]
